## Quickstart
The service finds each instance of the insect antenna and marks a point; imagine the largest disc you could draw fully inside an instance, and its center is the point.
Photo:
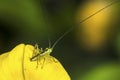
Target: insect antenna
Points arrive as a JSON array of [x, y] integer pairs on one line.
[[49, 43], [69, 30]]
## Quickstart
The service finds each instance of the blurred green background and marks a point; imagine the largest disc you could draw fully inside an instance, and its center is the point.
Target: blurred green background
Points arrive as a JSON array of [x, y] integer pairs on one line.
[[36, 21]]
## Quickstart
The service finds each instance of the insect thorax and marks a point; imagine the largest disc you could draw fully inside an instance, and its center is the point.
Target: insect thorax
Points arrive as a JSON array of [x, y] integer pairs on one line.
[[47, 51]]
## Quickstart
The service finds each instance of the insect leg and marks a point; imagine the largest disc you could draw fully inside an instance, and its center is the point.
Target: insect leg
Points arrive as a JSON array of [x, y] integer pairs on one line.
[[37, 62], [53, 58], [43, 63]]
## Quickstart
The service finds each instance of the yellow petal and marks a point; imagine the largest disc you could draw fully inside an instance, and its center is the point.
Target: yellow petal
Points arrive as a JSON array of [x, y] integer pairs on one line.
[[16, 65], [11, 64]]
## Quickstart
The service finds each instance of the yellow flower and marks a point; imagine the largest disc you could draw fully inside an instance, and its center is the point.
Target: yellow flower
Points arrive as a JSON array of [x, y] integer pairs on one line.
[[16, 65]]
